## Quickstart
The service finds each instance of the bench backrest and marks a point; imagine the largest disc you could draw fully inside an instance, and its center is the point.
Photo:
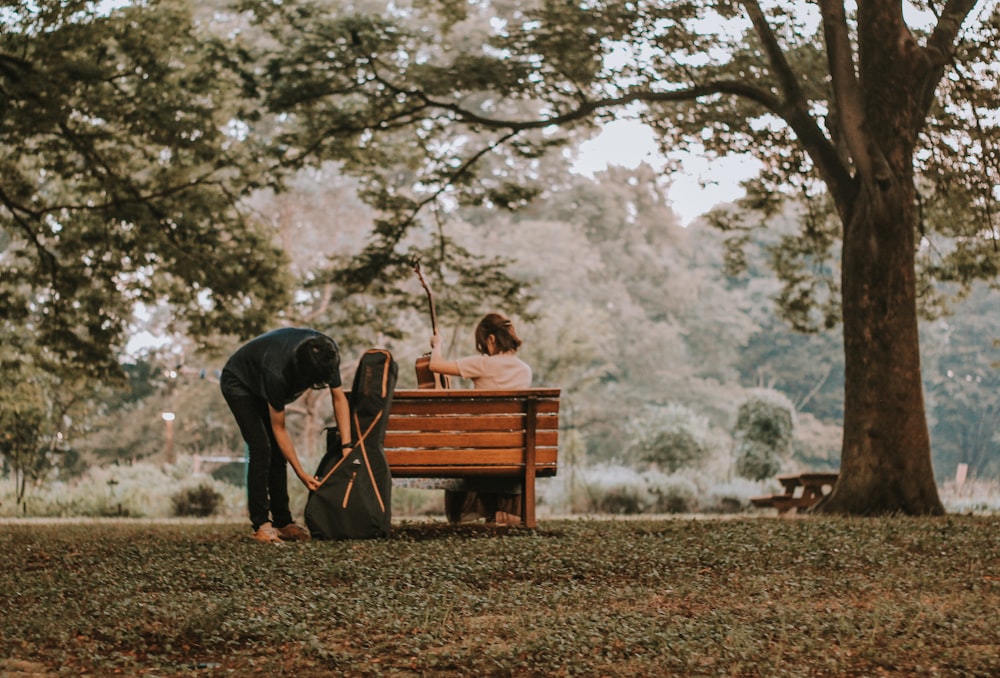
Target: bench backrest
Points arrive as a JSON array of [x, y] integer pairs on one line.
[[461, 432]]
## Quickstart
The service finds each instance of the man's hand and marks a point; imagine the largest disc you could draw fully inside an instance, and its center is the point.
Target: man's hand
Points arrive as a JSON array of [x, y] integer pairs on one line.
[[311, 482]]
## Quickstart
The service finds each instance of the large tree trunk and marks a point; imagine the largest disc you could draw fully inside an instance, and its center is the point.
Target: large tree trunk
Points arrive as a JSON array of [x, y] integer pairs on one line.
[[885, 464], [886, 460]]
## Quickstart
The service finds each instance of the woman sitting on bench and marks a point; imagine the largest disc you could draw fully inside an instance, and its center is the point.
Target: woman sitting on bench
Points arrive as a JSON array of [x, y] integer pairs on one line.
[[496, 366]]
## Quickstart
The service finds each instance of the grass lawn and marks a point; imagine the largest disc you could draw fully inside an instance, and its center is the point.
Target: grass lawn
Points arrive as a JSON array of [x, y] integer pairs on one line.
[[814, 596]]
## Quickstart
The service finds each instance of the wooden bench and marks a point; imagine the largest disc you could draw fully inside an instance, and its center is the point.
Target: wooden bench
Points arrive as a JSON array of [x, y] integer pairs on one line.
[[461, 433], [801, 491]]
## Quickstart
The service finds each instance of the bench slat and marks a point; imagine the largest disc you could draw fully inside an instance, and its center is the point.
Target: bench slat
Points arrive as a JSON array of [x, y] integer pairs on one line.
[[490, 422], [511, 456], [422, 463], [472, 471], [476, 394], [470, 439], [445, 407]]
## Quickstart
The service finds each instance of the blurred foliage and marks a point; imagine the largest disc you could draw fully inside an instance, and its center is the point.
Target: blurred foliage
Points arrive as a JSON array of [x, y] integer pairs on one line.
[[22, 416], [624, 490], [198, 502], [671, 437], [139, 490], [121, 183], [498, 85], [962, 383]]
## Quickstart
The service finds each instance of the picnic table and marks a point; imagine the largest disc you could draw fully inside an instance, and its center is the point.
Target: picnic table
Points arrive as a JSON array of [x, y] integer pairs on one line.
[[801, 491]]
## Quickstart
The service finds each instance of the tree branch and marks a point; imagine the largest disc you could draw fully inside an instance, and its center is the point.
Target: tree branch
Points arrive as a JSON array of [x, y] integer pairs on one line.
[[795, 111], [940, 49], [14, 68], [400, 227], [941, 45], [775, 57], [46, 257], [588, 108], [804, 400], [846, 88]]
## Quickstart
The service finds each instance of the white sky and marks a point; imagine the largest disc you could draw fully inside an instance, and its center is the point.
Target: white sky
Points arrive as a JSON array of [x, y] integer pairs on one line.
[[627, 143]]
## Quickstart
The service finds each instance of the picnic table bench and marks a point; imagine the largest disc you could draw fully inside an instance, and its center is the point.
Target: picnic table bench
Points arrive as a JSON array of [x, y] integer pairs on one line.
[[463, 433], [801, 491]]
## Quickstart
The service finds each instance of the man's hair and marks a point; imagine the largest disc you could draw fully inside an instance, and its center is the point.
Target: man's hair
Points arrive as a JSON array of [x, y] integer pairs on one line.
[[501, 329], [318, 358]]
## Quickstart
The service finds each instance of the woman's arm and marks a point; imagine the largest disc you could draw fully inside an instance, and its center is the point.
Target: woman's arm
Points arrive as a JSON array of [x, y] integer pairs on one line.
[[438, 363]]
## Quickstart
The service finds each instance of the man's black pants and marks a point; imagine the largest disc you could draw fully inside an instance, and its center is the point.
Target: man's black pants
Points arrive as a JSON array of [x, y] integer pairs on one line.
[[267, 470]]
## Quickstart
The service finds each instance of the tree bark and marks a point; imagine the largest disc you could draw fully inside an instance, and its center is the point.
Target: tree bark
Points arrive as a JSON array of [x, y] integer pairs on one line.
[[886, 459]]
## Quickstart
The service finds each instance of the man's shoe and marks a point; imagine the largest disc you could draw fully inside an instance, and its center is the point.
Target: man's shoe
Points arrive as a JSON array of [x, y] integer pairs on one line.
[[266, 534], [292, 532]]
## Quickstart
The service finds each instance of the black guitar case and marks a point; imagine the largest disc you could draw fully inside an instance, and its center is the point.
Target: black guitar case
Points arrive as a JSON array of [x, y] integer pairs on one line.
[[354, 499]]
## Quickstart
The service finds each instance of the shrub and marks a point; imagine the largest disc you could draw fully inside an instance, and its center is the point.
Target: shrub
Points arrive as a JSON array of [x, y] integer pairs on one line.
[[765, 426], [140, 490], [200, 501], [756, 461], [614, 489], [670, 493], [233, 473], [975, 496], [672, 437], [733, 496]]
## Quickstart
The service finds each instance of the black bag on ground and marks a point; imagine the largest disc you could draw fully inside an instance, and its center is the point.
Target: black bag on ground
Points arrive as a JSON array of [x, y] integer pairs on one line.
[[354, 500]]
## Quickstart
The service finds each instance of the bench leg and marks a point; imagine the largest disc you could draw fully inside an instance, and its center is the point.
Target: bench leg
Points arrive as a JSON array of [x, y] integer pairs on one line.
[[528, 498], [528, 508]]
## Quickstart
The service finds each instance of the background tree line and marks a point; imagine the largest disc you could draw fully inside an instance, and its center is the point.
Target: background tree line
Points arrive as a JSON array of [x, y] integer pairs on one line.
[[657, 349]]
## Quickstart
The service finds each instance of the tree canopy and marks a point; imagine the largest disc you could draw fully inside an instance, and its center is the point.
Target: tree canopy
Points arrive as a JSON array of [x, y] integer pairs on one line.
[[122, 170]]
